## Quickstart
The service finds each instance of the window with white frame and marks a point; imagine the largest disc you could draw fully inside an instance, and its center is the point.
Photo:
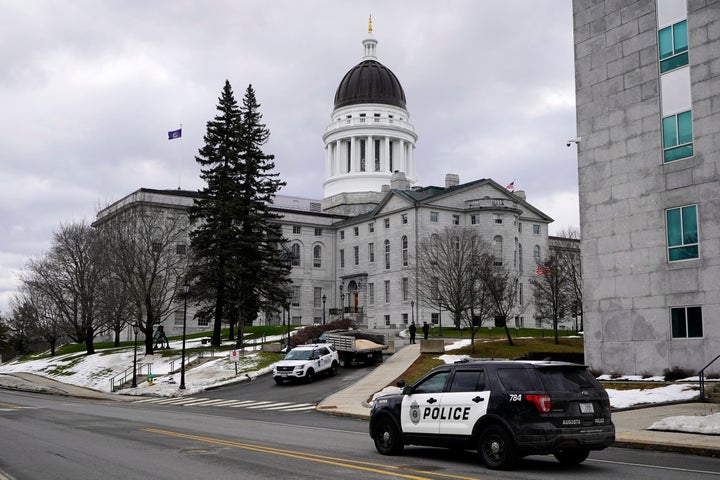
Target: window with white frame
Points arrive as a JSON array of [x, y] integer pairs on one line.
[[474, 219], [317, 256], [386, 222], [536, 254], [682, 233], [434, 216], [387, 320], [686, 322], [536, 229], [295, 296], [371, 227], [295, 249], [297, 230], [673, 46], [318, 232], [403, 218], [404, 244], [371, 293], [677, 136], [387, 254], [342, 234], [356, 231], [371, 252], [387, 291], [317, 297], [356, 255], [497, 250], [180, 249], [342, 258], [179, 318], [405, 318], [497, 218], [405, 289]]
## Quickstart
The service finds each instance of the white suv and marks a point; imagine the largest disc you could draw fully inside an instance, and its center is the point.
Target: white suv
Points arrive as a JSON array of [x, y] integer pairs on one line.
[[304, 362]]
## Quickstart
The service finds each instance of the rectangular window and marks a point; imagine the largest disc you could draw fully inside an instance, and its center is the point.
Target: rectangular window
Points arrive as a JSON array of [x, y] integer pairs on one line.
[[519, 227], [435, 318], [403, 218], [673, 46], [362, 155], [318, 232], [204, 321], [536, 229], [434, 217], [356, 255], [686, 322], [317, 297], [371, 252], [474, 219], [405, 318], [342, 234], [386, 222], [387, 320], [387, 291], [677, 136], [179, 317], [297, 230], [682, 233], [371, 227], [295, 296], [371, 293], [377, 155], [342, 258], [404, 289], [497, 218], [456, 219], [356, 231]]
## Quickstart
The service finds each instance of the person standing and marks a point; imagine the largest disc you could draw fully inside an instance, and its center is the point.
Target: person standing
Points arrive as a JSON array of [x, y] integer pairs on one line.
[[412, 329], [426, 329]]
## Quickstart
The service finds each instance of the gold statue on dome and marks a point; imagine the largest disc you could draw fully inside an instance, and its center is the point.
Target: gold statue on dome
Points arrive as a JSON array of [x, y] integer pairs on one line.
[[370, 24]]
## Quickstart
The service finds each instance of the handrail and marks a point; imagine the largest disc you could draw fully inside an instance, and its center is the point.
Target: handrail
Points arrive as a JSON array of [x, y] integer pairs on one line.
[[701, 374], [127, 373]]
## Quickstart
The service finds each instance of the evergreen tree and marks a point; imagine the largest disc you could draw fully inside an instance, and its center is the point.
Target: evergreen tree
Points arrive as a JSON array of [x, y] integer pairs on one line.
[[237, 268]]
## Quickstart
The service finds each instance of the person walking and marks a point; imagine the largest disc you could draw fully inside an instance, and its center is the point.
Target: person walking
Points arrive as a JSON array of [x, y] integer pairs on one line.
[[412, 329], [426, 329]]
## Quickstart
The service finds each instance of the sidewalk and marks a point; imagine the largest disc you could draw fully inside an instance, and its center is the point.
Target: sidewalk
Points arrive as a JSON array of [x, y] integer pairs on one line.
[[630, 425]]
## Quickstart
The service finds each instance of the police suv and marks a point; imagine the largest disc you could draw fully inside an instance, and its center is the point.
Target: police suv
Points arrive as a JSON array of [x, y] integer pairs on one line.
[[503, 409], [304, 362]]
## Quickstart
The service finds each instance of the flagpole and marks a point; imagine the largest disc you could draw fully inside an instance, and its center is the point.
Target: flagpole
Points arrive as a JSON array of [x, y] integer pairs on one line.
[[179, 152]]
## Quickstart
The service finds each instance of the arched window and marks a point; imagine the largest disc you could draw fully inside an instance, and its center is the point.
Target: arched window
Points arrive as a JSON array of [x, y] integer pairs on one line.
[[498, 250], [295, 255], [387, 254], [536, 254], [317, 256], [404, 250]]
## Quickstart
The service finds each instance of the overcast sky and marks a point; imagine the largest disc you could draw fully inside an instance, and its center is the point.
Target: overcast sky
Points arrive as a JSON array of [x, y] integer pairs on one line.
[[89, 90]]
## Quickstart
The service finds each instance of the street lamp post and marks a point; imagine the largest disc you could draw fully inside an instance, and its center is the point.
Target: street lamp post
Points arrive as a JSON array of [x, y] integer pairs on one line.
[[289, 300], [134, 382], [324, 299], [186, 289], [412, 311]]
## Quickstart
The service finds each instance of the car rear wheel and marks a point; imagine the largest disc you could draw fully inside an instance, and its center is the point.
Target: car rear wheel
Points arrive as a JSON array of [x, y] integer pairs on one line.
[[496, 448], [310, 376], [573, 456], [387, 437]]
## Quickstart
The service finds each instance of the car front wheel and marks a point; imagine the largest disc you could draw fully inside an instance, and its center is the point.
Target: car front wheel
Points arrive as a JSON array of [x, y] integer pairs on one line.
[[333, 369], [573, 456], [496, 448], [387, 437], [310, 376]]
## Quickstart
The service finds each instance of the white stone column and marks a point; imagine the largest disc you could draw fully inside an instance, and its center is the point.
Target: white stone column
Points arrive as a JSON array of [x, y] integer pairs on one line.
[[385, 157], [354, 167]]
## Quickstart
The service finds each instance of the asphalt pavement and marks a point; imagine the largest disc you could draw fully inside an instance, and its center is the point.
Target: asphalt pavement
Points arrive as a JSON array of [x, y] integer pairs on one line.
[[631, 425]]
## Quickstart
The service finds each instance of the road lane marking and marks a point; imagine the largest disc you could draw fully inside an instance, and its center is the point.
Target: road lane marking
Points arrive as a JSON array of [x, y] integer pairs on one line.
[[378, 468], [657, 467]]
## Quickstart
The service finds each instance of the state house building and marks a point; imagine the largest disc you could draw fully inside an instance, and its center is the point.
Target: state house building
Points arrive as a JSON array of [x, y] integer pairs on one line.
[[354, 248]]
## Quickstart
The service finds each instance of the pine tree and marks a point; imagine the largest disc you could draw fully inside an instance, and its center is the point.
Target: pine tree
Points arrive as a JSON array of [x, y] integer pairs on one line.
[[237, 268]]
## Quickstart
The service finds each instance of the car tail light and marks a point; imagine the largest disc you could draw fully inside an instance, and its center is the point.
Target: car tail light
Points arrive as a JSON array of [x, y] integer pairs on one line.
[[542, 402]]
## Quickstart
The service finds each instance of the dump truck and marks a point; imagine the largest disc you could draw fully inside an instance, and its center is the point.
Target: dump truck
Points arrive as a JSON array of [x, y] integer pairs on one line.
[[356, 347]]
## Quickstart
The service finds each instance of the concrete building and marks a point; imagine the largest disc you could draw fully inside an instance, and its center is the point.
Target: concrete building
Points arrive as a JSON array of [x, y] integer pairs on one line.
[[352, 250], [648, 119]]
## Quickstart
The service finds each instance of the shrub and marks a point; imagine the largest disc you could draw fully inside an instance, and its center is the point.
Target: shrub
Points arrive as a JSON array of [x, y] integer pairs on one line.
[[646, 375], [595, 372], [676, 373], [615, 374]]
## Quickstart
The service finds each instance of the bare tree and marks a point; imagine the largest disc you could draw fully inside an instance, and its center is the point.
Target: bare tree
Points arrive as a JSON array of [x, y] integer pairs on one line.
[[567, 245], [448, 265], [68, 276], [146, 253], [115, 306], [501, 285], [44, 322]]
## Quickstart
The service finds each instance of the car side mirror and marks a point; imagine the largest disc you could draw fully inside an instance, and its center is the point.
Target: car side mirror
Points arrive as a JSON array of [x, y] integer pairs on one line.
[[407, 390]]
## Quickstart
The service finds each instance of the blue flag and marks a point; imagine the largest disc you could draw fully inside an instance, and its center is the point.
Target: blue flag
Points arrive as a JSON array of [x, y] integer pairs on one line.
[[175, 134]]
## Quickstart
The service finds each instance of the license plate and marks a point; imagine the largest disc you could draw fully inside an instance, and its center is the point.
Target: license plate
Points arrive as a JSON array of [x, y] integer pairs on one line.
[[284, 375], [586, 408]]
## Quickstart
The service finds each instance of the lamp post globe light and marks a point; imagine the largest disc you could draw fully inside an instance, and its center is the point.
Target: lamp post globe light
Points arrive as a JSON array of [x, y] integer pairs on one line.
[[134, 380], [186, 289], [324, 299]]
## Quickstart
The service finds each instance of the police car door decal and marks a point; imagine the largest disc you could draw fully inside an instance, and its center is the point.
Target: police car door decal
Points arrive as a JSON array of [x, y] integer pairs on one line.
[[419, 410], [459, 411]]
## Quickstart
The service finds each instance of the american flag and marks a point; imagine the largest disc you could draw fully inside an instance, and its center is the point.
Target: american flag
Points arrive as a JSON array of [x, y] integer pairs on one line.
[[511, 185], [542, 269]]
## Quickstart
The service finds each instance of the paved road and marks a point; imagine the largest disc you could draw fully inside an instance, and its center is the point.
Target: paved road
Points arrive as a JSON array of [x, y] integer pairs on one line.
[[46, 436]]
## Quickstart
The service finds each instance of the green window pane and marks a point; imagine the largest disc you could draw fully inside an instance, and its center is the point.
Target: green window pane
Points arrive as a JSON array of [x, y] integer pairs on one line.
[[680, 36], [674, 227], [683, 253], [694, 322], [669, 127], [689, 220], [665, 42], [673, 62], [678, 153], [679, 328], [684, 125]]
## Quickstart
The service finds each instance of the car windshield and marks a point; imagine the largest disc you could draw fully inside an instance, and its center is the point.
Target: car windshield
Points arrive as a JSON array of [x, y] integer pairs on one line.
[[299, 355]]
